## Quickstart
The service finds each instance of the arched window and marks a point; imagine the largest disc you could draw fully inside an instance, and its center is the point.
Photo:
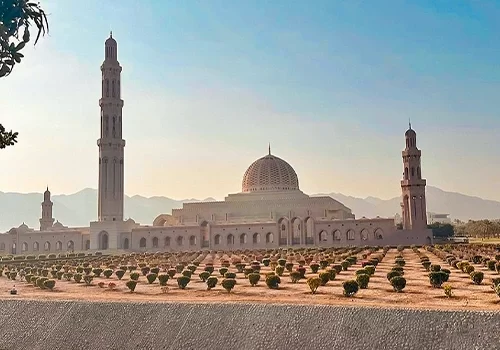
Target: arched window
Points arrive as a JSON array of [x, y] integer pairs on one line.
[[217, 239], [283, 227], [180, 240], [412, 171], [192, 240], [269, 237], [243, 238], [350, 235], [364, 235], [58, 245], [71, 245], [336, 235], [378, 234], [256, 238], [167, 241], [142, 243], [24, 247], [155, 242], [322, 236], [2, 246], [230, 239], [46, 246], [36, 246], [406, 173]]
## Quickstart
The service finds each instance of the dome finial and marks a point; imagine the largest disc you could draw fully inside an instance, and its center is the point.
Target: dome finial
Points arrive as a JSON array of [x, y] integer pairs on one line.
[[111, 34], [409, 123], [269, 148]]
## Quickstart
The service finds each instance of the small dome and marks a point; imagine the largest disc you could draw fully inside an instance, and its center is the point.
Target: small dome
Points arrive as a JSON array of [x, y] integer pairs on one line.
[[270, 173], [410, 133], [58, 225], [110, 41], [23, 226]]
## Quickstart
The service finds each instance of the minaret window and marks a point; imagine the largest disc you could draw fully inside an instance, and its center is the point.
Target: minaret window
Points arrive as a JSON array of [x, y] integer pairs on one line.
[[406, 173], [107, 88], [412, 171]]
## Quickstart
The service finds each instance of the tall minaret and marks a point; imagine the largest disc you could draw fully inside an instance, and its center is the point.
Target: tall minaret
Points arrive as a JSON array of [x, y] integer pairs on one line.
[[47, 221], [111, 144], [413, 186]]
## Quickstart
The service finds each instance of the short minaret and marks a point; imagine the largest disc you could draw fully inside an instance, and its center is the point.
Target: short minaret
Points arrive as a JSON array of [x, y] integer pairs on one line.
[[111, 145], [47, 221], [413, 186]]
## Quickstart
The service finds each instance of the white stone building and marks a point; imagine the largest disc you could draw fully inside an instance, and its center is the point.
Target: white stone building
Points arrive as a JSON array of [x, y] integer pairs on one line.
[[270, 211]]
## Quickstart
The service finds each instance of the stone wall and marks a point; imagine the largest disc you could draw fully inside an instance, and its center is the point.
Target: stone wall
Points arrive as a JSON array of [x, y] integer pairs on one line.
[[53, 325]]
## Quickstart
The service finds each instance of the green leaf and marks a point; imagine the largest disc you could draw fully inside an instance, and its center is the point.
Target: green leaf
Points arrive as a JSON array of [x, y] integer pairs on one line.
[[20, 46]]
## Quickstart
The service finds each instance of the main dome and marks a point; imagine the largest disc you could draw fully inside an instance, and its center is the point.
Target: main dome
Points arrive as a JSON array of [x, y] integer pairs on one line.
[[270, 173]]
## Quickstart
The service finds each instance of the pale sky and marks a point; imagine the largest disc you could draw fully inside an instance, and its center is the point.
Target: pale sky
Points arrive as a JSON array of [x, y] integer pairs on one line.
[[207, 84]]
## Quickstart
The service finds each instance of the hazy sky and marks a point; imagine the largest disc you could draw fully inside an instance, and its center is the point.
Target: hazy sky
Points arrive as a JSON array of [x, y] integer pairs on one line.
[[207, 84]]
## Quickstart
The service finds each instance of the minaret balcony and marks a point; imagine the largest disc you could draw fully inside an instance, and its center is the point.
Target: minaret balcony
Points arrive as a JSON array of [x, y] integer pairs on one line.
[[413, 182]]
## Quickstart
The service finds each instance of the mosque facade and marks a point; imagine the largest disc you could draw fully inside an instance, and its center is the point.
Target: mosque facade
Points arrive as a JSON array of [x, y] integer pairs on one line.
[[270, 211]]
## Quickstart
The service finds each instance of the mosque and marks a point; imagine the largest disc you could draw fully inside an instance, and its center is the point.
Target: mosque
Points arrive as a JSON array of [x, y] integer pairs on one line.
[[270, 211]]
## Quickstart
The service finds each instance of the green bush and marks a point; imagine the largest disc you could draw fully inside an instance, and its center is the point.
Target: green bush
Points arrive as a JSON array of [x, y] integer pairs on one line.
[[182, 281], [398, 269], [88, 279], [97, 271], [337, 268], [324, 276], [77, 277], [469, 269], [392, 274], [247, 271], [107, 273], [314, 283], [254, 278], [279, 270], [345, 264], [240, 267], [163, 279], [59, 275], [204, 275], [350, 288], [134, 276], [223, 271], [362, 272], [273, 281], [426, 264], [282, 262], [323, 264], [400, 262], [228, 284], [211, 282], [179, 268], [332, 274], [435, 268], [40, 282], [155, 270], [172, 272], [295, 276], [437, 278], [230, 275], [447, 272], [151, 277], [363, 280], [314, 267], [497, 267], [266, 261], [497, 290], [491, 265], [209, 269], [119, 274], [49, 284], [477, 277], [87, 270], [131, 285], [187, 273], [370, 269], [192, 268], [398, 283]]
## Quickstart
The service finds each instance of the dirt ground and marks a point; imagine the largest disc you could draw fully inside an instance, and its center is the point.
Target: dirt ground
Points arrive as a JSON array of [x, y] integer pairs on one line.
[[417, 294]]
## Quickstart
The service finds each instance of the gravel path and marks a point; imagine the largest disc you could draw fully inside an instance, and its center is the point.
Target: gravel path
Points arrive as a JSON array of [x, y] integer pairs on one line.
[[84, 325]]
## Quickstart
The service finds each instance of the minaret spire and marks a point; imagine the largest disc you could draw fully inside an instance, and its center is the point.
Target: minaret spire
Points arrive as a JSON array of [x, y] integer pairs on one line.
[[269, 148], [409, 123]]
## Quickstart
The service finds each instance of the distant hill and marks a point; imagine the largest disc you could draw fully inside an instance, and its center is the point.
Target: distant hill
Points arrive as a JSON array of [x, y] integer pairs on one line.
[[80, 208]]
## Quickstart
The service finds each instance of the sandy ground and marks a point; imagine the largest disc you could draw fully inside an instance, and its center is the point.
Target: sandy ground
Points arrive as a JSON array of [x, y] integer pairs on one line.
[[417, 294]]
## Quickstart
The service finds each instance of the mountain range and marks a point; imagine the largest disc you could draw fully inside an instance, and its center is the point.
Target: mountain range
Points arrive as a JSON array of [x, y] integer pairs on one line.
[[80, 208]]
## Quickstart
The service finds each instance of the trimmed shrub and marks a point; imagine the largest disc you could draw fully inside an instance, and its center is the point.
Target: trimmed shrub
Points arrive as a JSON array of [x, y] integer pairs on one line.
[[323, 264], [398, 283], [247, 271], [228, 284], [172, 272], [495, 282], [398, 269], [448, 290], [223, 271], [477, 277], [469, 269], [491, 265], [370, 269], [187, 273], [182, 281], [400, 262], [279, 270], [88, 279], [192, 268], [230, 275], [295, 276], [87, 270], [155, 270], [324, 276], [363, 280], [107, 273], [179, 268], [392, 274], [240, 267], [209, 269], [204, 275], [254, 278], [314, 267], [302, 270], [281, 262], [97, 271], [119, 274], [163, 279], [59, 275], [337, 268], [131, 285], [426, 264], [437, 278], [77, 277], [151, 277], [350, 288], [273, 281], [289, 266], [435, 268], [497, 267], [134, 276], [447, 272], [40, 282], [266, 261], [211, 282], [332, 274], [345, 264], [314, 283], [362, 272]]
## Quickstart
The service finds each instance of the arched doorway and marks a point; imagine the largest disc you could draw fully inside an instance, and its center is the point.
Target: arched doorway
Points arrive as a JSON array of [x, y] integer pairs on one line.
[[14, 250], [103, 240], [125, 243]]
